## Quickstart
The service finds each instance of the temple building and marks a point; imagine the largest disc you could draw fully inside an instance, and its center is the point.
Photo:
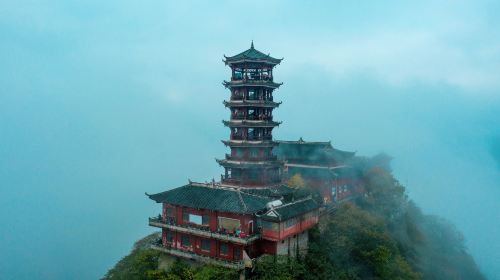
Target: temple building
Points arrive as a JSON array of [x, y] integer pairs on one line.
[[325, 170], [250, 211]]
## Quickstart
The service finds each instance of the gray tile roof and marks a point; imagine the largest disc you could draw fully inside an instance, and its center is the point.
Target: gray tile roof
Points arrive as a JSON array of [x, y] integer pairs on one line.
[[213, 198], [292, 209], [276, 192], [252, 55]]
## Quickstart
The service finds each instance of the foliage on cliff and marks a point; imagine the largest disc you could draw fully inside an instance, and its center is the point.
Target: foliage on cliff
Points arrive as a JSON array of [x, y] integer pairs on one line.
[[142, 264]]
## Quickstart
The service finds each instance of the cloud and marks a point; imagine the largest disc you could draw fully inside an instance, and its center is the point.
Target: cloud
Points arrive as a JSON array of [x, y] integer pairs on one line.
[[399, 57]]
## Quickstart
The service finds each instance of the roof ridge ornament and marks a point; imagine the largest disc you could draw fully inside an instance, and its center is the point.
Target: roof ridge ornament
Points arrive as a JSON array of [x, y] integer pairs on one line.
[[251, 45], [241, 199]]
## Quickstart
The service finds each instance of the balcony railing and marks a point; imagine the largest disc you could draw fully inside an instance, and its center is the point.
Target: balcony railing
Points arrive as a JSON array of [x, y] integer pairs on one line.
[[203, 231], [251, 137], [237, 137], [254, 137], [201, 258], [250, 98], [256, 77], [251, 117], [227, 179], [249, 158], [237, 97]]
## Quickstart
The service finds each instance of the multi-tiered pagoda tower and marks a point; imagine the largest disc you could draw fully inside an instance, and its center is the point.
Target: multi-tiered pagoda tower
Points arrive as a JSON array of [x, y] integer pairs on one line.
[[251, 212], [251, 163]]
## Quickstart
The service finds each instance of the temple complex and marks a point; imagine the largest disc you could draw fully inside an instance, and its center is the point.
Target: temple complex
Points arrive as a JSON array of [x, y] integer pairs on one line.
[[251, 211]]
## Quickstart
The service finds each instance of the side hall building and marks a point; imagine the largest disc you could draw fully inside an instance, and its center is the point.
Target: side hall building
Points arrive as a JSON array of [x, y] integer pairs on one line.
[[231, 226], [325, 169]]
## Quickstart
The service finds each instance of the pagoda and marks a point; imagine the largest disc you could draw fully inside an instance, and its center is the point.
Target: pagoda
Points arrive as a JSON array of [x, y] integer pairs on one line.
[[251, 211], [251, 163]]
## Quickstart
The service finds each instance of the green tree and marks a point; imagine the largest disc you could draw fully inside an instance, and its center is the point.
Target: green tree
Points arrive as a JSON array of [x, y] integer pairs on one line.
[[296, 182], [216, 273]]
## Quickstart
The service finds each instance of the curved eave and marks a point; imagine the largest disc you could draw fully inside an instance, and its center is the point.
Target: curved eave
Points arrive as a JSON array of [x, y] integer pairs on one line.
[[152, 197], [248, 123], [259, 83], [234, 163], [246, 143], [254, 103], [250, 186], [269, 61]]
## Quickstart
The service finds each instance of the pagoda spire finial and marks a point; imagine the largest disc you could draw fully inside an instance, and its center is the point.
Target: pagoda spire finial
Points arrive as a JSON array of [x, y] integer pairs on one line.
[[251, 46]]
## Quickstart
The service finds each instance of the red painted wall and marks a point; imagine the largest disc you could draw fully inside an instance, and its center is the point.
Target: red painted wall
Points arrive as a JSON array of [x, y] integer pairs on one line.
[[266, 247], [213, 217], [195, 246], [302, 224]]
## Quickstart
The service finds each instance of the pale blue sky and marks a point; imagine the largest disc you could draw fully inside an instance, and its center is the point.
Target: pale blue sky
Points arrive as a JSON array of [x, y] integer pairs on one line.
[[104, 100]]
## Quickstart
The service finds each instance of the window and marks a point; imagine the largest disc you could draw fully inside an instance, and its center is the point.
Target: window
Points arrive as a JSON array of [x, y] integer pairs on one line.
[[228, 223], [252, 94], [309, 215], [205, 245], [270, 225], [170, 212], [185, 242], [195, 219], [223, 249], [205, 219], [253, 174], [236, 253], [170, 236], [290, 222], [254, 152], [238, 75], [185, 215]]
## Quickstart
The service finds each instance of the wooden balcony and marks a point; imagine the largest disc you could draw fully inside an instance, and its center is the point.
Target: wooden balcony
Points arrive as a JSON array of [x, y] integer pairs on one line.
[[256, 77], [264, 137], [251, 117], [248, 158], [200, 258], [251, 137], [226, 179], [237, 137], [261, 103], [245, 83], [156, 222]]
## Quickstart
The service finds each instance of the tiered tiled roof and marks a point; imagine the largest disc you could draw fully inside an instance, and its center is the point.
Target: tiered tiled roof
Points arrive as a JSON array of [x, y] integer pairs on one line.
[[315, 153], [292, 209], [213, 198], [252, 55], [278, 192]]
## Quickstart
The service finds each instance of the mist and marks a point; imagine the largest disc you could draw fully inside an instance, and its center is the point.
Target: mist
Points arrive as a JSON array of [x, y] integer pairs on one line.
[[101, 102]]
